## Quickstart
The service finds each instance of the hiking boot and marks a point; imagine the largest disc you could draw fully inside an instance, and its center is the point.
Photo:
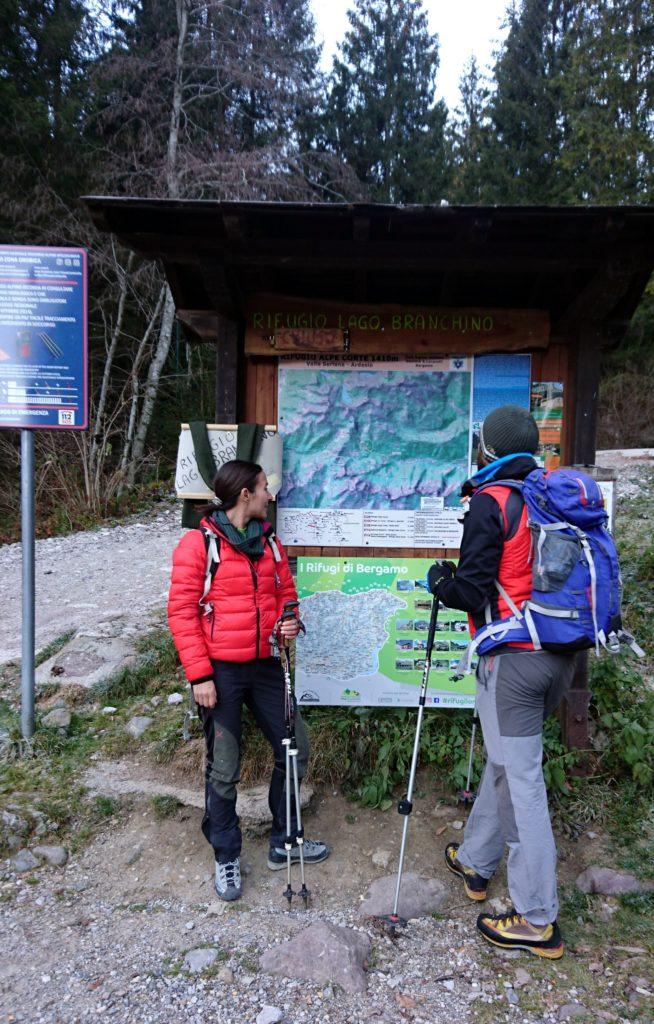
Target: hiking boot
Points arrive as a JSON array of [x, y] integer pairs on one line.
[[475, 886], [515, 932], [314, 852], [228, 880]]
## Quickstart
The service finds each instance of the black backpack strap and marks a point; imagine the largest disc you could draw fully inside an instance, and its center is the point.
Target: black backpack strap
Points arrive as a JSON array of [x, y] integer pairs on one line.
[[514, 505], [212, 548]]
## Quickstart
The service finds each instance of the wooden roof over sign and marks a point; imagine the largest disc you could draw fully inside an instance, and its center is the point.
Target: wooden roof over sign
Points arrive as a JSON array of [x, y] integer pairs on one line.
[[577, 264]]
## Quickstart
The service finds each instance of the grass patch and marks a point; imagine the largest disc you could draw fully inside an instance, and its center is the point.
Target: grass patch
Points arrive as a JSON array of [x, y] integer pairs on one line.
[[53, 647], [165, 806], [155, 669], [104, 807]]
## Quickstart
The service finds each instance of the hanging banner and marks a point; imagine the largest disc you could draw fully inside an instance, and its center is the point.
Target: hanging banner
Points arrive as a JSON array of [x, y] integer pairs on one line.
[[43, 338], [375, 451], [367, 621]]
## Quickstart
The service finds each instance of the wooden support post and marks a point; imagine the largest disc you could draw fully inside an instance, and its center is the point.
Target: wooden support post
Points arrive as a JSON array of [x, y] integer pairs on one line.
[[574, 717], [586, 395], [226, 371]]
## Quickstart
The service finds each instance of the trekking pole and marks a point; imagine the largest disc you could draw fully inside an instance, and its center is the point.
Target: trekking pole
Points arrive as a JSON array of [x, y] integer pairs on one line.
[[467, 795], [291, 751], [405, 806]]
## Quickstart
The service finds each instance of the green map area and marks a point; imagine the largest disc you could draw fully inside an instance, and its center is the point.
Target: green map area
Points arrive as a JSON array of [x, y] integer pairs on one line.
[[374, 438], [367, 621]]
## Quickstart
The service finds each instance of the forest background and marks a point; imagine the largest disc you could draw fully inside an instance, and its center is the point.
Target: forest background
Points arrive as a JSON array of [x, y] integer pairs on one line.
[[225, 99]]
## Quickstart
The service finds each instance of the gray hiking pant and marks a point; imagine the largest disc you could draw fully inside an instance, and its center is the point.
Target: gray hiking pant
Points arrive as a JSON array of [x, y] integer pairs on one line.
[[515, 693]]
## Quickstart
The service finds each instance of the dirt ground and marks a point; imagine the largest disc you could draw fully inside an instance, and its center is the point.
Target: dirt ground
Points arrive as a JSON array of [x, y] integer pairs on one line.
[[106, 935]]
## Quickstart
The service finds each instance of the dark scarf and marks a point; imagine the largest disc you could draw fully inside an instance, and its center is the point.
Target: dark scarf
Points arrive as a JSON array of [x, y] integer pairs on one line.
[[251, 544]]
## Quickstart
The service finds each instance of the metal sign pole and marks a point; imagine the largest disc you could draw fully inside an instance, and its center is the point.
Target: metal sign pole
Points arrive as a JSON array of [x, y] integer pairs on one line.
[[27, 538]]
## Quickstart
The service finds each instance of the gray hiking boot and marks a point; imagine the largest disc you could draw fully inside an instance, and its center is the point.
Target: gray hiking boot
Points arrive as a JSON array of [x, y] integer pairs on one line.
[[228, 880], [314, 852]]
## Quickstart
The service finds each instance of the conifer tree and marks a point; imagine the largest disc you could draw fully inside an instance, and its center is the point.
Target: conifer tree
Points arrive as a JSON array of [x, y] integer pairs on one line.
[[45, 50], [527, 123], [608, 91], [469, 135], [382, 116]]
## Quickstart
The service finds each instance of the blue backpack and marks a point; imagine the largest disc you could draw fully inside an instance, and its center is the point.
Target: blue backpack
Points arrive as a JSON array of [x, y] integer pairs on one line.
[[577, 589]]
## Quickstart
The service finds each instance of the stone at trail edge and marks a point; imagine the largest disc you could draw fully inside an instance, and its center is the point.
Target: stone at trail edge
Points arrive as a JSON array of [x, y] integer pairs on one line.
[[323, 952], [24, 860], [137, 725], [197, 960], [269, 1015], [58, 718], [55, 856], [381, 858], [175, 698], [571, 1010], [521, 977], [419, 896], [607, 882]]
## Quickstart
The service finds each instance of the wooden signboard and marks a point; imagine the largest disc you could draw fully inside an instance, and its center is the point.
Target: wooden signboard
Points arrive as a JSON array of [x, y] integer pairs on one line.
[[223, 439], [278, 324]]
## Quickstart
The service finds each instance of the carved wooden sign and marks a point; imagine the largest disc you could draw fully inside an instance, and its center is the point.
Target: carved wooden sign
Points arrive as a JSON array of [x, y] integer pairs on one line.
[[290, 324]]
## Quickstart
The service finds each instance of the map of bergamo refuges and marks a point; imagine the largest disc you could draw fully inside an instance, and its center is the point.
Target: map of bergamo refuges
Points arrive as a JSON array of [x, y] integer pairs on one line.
[[367, 622], [356, 625]]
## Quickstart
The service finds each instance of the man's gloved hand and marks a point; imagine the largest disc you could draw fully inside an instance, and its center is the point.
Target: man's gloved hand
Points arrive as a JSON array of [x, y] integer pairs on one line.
[[439, 571]]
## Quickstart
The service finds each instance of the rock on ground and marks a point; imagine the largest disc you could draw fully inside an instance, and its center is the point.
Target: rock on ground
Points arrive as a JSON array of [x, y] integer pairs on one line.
[[55, 856], [197, 960], [115, 778], [23, 861], [269, 1015], [324, 953], [571, 1010], [418, 896], [609, 882], [137, 725], [58, 718]]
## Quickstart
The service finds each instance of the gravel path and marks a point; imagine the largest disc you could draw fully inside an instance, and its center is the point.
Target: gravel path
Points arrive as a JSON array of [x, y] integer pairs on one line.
[[96, 574], [106, 937]]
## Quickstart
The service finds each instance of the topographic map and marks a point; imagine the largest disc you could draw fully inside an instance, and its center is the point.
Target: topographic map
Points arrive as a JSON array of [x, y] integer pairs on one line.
[[383, 437]]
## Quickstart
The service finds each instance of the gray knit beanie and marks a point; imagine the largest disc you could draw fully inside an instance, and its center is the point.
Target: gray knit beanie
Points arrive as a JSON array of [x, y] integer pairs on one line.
[[506, 430]]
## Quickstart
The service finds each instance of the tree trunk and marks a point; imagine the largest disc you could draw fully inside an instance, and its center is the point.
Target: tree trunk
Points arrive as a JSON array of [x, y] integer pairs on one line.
[[134, 384], [168, 316], [93, 469], [152, 385], [172, 176]]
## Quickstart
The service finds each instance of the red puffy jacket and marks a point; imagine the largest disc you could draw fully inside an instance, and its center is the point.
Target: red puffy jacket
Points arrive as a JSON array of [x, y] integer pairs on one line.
[[247, 598]]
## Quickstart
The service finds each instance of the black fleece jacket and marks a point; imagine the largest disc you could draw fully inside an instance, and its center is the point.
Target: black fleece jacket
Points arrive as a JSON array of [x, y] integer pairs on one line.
[[481, 546]]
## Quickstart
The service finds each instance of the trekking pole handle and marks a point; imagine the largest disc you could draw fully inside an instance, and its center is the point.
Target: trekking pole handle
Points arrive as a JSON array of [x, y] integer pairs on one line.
[[432, 626], [289, 611]]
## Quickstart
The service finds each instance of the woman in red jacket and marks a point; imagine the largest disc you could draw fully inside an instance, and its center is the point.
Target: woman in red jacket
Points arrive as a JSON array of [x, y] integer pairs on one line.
[[224, 639]]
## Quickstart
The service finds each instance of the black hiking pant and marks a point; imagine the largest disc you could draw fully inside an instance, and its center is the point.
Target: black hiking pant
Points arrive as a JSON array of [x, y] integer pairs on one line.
[[259, 685]]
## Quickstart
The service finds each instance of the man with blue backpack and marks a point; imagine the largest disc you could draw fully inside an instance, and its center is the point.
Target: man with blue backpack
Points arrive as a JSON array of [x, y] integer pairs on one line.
[[539, 578]]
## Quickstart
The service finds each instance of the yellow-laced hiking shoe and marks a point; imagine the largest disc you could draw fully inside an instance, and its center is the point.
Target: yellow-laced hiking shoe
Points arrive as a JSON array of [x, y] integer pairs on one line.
[[515, 932], [475, 886]]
